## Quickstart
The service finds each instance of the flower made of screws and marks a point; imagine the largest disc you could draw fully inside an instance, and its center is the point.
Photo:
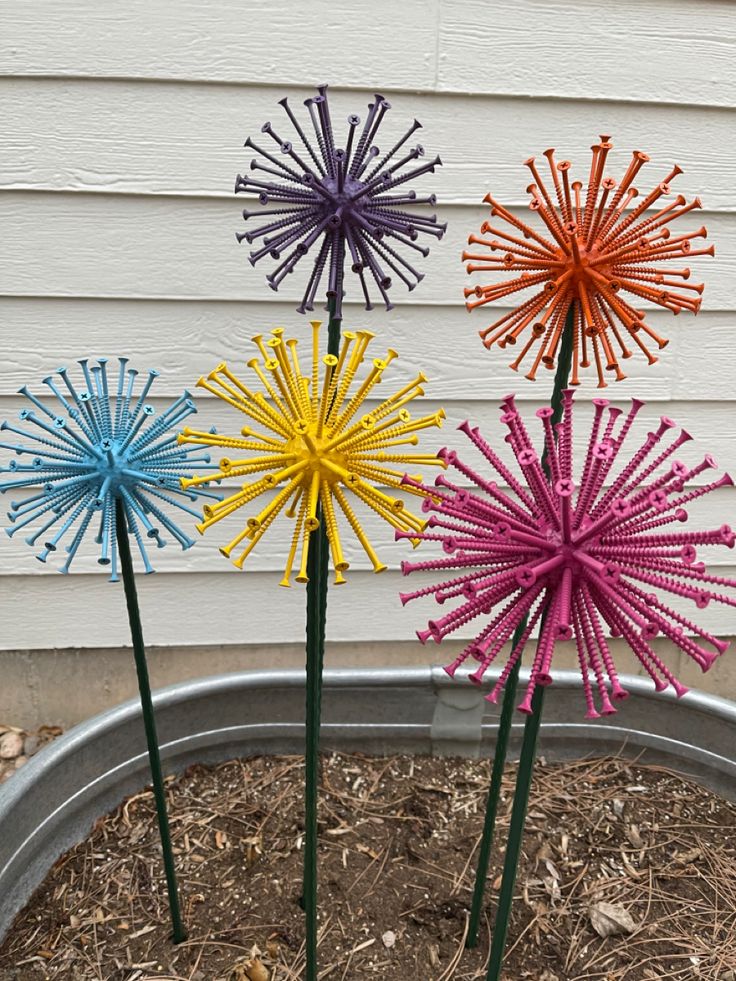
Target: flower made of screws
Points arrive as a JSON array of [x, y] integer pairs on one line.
[[84, 451], [311, 449], [597, 251], [339, 201], [577, 557]]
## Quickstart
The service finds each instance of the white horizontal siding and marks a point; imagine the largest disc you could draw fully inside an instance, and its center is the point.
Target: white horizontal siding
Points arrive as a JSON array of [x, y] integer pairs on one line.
[[152, 246], [270, 555], [654, 51], [691, 416], [718, 509], [648, 50], [118, 220], [184, 338], [187, 139], [229, 607]]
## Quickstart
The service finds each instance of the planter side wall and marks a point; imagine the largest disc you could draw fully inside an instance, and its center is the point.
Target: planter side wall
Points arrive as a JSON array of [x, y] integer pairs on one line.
[[51, 804]]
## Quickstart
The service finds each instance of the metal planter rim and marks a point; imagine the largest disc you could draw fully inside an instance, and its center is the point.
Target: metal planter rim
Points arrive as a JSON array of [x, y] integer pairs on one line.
[[52, 802]]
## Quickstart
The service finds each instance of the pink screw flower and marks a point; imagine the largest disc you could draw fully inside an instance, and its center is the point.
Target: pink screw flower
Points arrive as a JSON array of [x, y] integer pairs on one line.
[[581, 557]]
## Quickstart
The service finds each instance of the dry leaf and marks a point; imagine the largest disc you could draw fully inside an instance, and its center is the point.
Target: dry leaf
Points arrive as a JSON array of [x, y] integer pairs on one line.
[[359, 947], [632, 833], [256, 970], [552, 869], [685, 858], [634, 873], [543, 854], [552, 888], [610, 919]]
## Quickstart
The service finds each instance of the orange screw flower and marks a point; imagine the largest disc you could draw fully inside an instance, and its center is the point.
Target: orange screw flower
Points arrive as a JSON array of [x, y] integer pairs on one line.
[[597, 252]]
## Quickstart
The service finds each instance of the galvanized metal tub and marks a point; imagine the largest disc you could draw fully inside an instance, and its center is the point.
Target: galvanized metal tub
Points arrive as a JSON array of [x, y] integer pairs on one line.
[[53, 801]]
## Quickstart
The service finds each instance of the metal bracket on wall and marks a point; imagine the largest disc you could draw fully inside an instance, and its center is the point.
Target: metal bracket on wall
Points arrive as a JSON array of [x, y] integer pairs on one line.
[[458, 717]]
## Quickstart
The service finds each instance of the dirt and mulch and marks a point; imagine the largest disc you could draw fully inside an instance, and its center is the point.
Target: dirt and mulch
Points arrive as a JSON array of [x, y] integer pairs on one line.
[[628, 874]]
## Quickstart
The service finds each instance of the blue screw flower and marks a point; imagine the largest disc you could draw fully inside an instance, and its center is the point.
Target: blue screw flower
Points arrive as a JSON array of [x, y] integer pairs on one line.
[[86, 451], [346, 200]]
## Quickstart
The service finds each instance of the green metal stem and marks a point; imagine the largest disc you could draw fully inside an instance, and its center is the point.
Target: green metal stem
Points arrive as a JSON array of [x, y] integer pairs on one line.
[[179, 932], [315, 647], [317, 573], [510, 690], [494, 792], [533, 722], [516, 833], [333, 347]]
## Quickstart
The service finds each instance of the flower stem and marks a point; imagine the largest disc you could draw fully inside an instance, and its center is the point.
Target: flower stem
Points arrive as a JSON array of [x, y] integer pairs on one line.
[[315, 648], [154, 757], [494, 792], [533, 722], [516, 833], [317, 572]]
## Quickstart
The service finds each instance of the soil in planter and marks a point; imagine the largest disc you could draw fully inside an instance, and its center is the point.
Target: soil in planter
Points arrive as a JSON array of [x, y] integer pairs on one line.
[[398, 838]]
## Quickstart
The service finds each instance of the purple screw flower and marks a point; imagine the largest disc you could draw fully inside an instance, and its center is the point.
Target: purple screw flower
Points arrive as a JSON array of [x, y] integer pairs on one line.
[[579, 557], [338, 201]]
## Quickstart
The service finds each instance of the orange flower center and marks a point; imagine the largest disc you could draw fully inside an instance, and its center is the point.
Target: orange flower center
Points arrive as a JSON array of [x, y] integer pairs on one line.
[[582, 262]]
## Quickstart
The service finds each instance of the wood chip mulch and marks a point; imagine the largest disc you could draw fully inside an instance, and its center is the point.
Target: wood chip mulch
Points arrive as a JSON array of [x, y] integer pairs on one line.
[[628, 874]]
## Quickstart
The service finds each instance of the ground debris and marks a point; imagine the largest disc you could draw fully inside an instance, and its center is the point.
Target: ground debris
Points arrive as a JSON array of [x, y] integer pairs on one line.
[[398, 839], [610, 919]]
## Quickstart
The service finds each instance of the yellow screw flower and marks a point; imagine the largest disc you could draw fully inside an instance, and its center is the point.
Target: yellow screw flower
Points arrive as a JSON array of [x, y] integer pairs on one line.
[[314, 449]]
